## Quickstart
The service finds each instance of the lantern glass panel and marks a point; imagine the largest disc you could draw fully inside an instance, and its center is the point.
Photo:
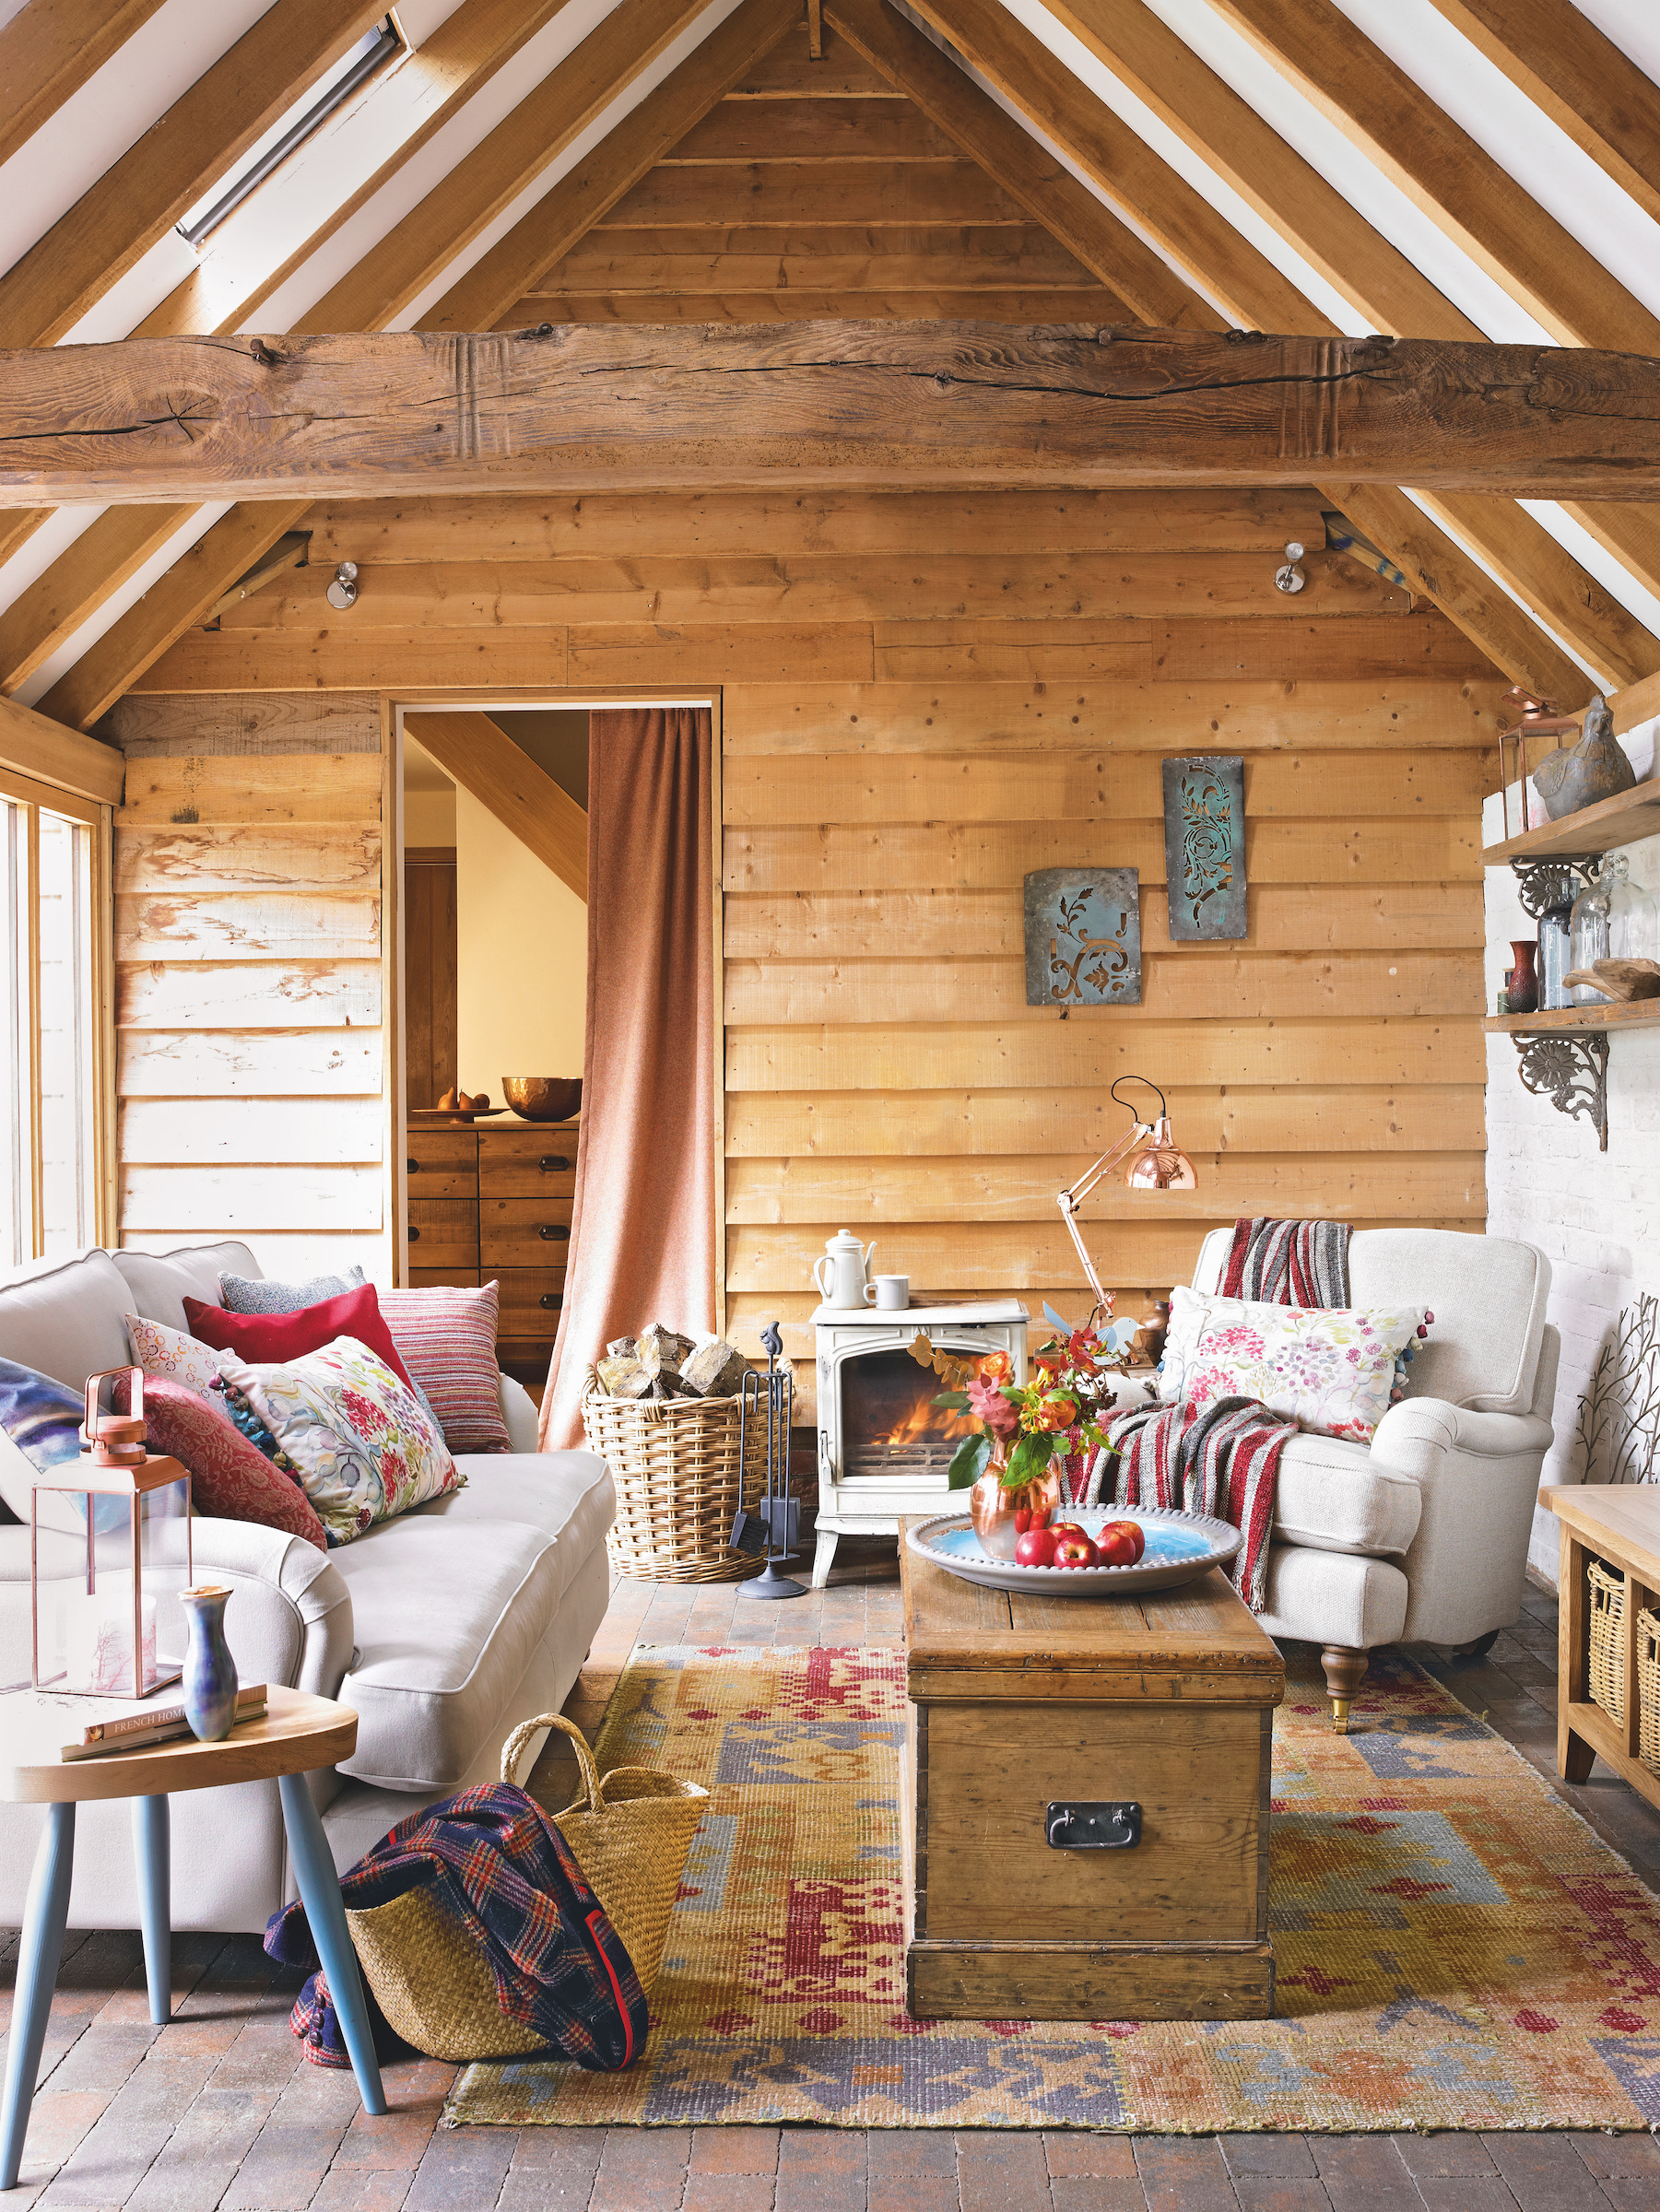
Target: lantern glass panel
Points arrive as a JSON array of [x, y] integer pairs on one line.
[[98, 1597]]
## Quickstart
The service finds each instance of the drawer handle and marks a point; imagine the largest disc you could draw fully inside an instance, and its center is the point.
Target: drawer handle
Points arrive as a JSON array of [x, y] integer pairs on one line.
[[551, 1300], [1093, 1826], [553, 1163], [555, 1232], [415, 1236], [412, 1167]]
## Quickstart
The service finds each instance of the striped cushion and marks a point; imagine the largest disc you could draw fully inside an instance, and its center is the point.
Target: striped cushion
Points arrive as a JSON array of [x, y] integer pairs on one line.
[[447, 1340]]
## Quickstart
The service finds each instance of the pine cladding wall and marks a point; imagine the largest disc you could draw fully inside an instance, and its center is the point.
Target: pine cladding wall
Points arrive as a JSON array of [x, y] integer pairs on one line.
[[923, 697], [249, 994]]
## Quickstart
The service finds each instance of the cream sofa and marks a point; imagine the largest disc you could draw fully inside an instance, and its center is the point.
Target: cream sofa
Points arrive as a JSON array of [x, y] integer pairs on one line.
[[444, 1628], [1420, 1536]]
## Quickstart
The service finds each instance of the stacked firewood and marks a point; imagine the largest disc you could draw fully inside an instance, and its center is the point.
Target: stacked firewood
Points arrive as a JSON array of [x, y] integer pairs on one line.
[[661, 1363]]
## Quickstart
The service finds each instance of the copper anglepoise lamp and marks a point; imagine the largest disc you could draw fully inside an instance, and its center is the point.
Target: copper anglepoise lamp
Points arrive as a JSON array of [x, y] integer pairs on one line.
[[1155, 1164]]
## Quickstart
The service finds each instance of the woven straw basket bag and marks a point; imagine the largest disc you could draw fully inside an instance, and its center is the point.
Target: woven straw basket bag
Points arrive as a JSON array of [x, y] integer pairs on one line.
[[629, 1834], [679, 1484]]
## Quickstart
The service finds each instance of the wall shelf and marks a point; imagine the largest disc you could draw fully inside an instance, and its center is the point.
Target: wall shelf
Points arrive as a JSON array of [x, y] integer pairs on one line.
[[1620, 821], [1565, 1054], [1645, 1013]]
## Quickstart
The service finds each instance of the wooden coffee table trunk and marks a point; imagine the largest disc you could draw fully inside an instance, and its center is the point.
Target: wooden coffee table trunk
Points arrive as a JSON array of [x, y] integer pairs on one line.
[[1021, 1704]]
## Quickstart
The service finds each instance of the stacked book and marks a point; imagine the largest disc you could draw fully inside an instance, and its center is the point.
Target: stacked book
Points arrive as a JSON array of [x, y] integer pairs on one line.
[[139, 1729]]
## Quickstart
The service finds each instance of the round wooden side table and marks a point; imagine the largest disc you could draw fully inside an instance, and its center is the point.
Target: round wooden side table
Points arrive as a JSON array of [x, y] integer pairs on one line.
[[297, 1735]]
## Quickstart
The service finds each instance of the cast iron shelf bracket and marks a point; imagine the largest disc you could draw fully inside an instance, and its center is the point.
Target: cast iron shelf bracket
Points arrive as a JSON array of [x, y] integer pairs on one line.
[[1547, 886], [1571, 1070]]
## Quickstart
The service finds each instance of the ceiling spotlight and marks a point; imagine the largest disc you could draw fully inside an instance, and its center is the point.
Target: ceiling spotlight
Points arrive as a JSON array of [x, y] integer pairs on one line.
[[343, 591], [1291, 578]]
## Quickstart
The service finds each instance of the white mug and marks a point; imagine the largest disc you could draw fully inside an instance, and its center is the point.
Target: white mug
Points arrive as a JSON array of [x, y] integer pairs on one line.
[[891, 1293]]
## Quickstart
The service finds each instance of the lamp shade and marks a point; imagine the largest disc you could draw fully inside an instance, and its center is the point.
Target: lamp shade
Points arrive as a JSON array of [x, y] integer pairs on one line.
[[1160, 1164]]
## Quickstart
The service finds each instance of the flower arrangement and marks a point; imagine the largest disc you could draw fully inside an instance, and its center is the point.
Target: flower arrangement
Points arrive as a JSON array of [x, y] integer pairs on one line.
[[1023, 1426]]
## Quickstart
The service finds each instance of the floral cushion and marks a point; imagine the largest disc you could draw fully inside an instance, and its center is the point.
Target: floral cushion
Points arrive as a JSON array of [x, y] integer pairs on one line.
[[1330, 1368], [366, 1448], [171, 1356], [230, 1478], [250, 1294], [448, 1341]]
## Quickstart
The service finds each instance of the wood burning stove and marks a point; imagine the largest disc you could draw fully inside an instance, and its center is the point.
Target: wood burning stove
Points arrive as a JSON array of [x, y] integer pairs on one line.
[[883, 1446]]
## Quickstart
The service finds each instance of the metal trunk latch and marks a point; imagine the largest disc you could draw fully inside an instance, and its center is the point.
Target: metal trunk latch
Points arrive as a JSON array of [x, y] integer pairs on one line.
[[1093, 1826]]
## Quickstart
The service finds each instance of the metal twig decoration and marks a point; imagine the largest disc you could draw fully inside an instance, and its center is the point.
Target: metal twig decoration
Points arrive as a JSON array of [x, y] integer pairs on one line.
[[1618, 1428]]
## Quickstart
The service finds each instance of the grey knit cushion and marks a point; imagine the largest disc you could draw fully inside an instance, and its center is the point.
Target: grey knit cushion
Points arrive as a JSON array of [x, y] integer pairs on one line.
[[244, 1294]]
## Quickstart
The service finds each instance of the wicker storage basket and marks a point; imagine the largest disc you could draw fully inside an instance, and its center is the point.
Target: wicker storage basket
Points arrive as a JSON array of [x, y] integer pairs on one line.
[[629, 1834], [1607, 1639], [1648, 1689], [677, 1483]]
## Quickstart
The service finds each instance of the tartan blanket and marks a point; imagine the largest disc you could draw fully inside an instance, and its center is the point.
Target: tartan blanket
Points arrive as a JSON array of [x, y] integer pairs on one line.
[[1288, 1263], [497, 1864], [1221, 1459]]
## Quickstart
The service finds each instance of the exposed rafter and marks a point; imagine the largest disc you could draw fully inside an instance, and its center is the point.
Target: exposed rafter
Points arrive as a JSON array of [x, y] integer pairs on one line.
[[49, 50], [1290, 194], [522, 796], [174, 162]]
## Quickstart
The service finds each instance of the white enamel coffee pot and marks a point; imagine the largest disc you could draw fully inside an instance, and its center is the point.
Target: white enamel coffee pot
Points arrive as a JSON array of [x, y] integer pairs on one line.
[[840, 1275]]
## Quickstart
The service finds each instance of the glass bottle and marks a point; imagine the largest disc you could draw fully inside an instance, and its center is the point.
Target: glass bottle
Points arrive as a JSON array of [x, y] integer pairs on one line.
[[1554, 940], [1633, 925], [1588, 935]]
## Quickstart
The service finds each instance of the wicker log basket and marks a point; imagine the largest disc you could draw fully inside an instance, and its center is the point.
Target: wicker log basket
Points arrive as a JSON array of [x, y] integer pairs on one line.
[[628, 1833], [678, 1485], [1607, 1639]]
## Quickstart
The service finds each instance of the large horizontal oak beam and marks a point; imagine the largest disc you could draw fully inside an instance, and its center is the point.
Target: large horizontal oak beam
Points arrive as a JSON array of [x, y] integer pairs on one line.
[[580, 408]]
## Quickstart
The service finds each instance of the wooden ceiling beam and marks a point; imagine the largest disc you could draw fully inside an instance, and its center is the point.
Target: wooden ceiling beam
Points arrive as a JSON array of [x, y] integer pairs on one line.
[[521, 795], [178, 159], [576, 407], [1181, 222], [1290, 194], [49, 50], [51, 609], [84, 693], [1028, 172], [1465, 193], [548, 231], [1587, 86], [33, 746]]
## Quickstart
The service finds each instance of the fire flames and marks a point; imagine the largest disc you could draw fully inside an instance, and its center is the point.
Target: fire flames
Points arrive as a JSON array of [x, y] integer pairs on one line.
[[926, 1423]]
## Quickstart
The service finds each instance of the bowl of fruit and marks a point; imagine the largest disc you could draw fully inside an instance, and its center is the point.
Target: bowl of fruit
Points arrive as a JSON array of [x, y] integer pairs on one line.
[[1083, 1551]]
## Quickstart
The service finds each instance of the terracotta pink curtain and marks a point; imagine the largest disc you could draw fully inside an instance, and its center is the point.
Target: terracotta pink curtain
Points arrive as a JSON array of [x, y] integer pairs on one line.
[[642, 1235]]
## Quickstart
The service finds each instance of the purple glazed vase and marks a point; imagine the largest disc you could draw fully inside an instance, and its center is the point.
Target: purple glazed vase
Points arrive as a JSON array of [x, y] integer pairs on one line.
[[210, 1670]]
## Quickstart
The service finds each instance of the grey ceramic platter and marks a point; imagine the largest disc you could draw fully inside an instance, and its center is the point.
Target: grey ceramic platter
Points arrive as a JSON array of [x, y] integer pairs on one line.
[[1179, 1548]]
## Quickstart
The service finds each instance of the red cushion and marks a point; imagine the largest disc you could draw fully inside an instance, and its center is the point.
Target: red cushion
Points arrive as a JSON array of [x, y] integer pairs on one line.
[[281, 1337], [229, 1478]]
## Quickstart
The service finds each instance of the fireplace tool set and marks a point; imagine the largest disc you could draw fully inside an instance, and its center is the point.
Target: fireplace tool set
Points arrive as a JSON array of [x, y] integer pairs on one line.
[[774, 1528]]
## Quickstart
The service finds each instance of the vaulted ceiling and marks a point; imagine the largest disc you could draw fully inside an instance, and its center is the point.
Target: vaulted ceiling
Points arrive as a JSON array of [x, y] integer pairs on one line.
[[1430, 168]]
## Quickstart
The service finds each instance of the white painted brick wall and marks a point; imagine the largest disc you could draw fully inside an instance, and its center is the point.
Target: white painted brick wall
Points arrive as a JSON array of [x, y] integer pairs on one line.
[[1594, 1215]]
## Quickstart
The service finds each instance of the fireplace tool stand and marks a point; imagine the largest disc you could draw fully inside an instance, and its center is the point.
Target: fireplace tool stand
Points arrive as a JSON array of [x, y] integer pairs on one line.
[[775, 1528]]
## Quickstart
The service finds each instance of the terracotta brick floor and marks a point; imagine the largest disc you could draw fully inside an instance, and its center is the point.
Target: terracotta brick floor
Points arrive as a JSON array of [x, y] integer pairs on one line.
[[216, 2111]]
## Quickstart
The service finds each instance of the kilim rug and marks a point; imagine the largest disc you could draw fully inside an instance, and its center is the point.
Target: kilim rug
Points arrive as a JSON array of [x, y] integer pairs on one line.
[[1456, 1948]]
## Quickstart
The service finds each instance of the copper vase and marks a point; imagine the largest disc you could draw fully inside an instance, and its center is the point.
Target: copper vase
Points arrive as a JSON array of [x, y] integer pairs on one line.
[[992, 1505]]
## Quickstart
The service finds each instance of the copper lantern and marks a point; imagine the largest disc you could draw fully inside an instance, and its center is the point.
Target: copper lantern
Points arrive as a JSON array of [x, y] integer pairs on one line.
[[109, 1624]]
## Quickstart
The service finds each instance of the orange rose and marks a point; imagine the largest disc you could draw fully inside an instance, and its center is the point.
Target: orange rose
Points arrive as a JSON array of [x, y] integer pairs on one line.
[[997, 1367], [1055, 1414]]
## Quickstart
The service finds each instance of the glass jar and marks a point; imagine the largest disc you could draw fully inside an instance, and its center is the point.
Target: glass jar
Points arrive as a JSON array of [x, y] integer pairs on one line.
[[1633, 923], [1554, 941], [1588, 935]]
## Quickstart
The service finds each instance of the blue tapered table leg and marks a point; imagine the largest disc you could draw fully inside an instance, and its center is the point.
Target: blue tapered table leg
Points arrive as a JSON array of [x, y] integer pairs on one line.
[[44, 1920], [319, 1894], [150, 1848]]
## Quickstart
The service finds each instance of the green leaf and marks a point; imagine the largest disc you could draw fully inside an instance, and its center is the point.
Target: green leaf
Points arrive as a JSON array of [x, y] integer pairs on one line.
[[958, 1400], [1031, 1456], [969, 1461]]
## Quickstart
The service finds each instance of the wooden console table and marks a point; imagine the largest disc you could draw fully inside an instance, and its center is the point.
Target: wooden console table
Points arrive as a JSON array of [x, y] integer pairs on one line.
[[1619, 1524]]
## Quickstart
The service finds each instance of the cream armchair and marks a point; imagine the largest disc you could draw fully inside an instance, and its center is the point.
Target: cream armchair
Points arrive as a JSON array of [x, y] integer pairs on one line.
[[1420, 1538]]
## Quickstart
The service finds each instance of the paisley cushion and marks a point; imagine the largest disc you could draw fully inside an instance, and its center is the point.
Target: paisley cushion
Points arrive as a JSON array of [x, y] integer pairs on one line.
[[230, 1478]]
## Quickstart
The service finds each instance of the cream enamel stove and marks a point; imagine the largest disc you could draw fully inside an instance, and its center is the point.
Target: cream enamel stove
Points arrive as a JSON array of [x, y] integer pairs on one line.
[[883, 1448]]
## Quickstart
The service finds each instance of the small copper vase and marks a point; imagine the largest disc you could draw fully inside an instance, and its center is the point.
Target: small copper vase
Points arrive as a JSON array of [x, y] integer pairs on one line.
[[992, 1505]]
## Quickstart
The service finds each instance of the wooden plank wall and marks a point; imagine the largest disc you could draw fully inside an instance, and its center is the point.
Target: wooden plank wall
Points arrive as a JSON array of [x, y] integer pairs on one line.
[[252, 1051], [923, 697]]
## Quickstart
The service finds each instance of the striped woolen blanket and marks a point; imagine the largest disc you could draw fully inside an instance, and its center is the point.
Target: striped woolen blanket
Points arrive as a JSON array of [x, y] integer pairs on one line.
[[1221, 1459], [1288, 1263]]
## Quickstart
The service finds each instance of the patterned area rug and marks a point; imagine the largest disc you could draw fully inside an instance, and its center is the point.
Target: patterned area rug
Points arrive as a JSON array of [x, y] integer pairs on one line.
[[1455, 1947]]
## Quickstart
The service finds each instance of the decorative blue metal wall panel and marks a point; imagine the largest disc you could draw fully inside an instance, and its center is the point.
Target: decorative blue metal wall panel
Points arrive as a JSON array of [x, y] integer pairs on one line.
[[1204, 845], [1083, 938]]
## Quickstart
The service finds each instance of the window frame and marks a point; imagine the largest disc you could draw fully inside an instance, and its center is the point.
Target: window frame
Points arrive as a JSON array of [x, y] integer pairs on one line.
[[35, 798]]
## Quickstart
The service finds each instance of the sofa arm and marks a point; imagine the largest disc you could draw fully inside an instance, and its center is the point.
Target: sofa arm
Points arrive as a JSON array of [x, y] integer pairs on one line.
[[1479, 1475], [519, 1411], [290, 1619]]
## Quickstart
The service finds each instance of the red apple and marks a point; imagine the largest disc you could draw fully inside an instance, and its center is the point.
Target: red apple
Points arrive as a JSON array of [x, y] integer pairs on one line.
[[1035, 1549], [1069, 1528], [1075, 1551], [1126, 1542]]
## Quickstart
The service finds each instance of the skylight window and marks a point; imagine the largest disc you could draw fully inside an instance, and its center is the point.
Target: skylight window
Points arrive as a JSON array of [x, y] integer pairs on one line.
[[290, 131]]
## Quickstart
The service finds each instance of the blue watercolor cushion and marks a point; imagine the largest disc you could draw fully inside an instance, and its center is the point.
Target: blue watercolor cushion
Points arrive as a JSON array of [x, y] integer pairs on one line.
[[41, 1420]]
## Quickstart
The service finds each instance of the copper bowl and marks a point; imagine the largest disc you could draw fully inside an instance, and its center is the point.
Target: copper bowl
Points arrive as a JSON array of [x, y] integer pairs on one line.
[[543, 1098]]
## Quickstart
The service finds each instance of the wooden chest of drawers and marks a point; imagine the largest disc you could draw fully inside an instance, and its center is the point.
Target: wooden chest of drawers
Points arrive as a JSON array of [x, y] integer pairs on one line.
[[493, 1204], [1023, 1707]]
